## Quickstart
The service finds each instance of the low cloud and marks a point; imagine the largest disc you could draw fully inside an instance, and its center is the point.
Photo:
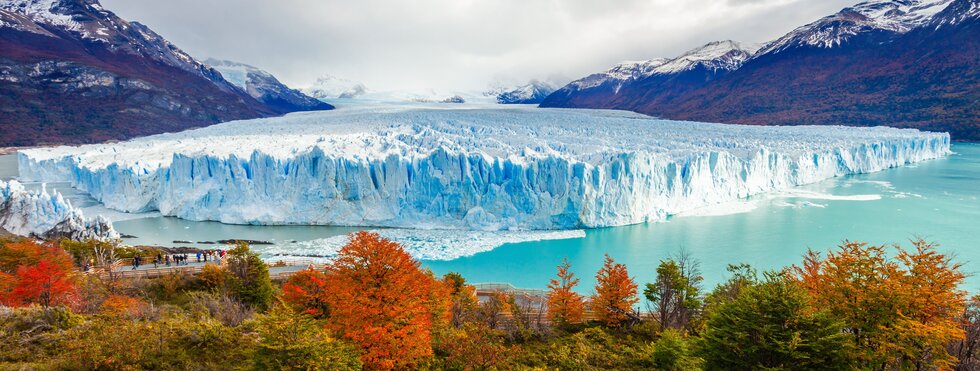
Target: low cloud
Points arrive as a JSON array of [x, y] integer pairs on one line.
[[458, 44]]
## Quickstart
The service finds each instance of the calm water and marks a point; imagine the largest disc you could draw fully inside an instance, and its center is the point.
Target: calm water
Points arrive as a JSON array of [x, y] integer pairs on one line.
[[936, 200]]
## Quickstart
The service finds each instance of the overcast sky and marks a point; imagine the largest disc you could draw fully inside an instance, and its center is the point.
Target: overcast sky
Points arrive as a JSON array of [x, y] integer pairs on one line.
[[458, 44]]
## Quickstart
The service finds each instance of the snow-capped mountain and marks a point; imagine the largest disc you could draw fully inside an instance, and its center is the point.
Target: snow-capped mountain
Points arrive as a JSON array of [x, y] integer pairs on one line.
[[72, 71], [87, 21], [332, 87], [619, 75], [904, 63], [265, 87], [715, 56], [531, 93], [886, 16], [690, 69]]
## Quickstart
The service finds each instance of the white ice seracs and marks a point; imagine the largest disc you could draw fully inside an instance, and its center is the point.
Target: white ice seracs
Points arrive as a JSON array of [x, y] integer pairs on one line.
[[47, 215], [465, 167]]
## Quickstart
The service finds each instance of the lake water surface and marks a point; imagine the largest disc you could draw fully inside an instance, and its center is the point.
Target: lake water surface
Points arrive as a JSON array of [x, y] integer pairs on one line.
[[936, 200]]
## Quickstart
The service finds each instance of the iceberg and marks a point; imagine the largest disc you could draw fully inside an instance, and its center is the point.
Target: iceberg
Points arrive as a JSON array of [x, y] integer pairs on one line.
[[475, 167], [47, 215]]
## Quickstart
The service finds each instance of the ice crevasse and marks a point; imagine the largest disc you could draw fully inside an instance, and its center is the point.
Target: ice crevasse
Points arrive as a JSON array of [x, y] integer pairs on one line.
[[485, 168]]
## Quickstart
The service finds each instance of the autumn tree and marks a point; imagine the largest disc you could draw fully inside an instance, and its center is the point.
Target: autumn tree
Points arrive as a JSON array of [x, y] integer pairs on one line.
[[440, 302], [565, 306], [120, 305], [44, 283], [771, 327], [28, 252], [493, 309], [615, 294], [306, 291], [676, 293], [380, 299], [473, 346], [901, 310]]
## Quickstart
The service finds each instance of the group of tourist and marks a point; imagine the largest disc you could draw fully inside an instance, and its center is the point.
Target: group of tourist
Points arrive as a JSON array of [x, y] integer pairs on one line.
[[180, 259]]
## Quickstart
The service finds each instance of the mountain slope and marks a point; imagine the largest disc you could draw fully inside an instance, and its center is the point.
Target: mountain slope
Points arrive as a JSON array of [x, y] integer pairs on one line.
[[659, 79], [925, 77], [533, 92], [266, 88], [903, 63], [73, 72], [600, 90]]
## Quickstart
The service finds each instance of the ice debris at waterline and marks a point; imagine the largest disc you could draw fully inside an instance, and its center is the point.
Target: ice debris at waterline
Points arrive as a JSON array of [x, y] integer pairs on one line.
[[465, 167], [47, 215], [423, 244]]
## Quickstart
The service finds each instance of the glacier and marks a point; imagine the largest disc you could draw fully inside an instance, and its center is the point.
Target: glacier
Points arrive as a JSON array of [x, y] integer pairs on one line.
[[476, 167], [47, 215]]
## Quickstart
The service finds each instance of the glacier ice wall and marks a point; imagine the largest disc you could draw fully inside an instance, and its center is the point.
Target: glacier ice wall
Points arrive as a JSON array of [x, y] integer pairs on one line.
[[47, 215], [466, 168]]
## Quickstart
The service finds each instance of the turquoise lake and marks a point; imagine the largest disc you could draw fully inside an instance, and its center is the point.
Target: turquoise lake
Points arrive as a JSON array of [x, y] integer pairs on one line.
[[936, 200]]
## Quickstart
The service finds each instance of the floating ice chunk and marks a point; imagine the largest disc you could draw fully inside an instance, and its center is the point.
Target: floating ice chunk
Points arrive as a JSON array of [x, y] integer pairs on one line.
[[47, 215], [424, 244]]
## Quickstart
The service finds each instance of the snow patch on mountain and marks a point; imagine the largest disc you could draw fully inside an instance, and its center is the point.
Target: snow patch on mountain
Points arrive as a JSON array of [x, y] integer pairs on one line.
[[265, 87], [47, 215], [957, 12], [719, 55], [619, 75], [42, 11]]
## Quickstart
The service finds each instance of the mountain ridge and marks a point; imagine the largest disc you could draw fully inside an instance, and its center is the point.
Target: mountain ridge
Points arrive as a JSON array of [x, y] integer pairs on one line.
[[902, 63], [72, 72]]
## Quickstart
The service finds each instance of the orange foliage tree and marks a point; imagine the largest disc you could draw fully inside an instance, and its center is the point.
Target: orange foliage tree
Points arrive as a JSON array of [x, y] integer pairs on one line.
[[35, 273], [120, 305], [565, 306], [28, 252], [901, 310], [615, 294], [380, 299], [44, 283], [7, 283], [306, 291]]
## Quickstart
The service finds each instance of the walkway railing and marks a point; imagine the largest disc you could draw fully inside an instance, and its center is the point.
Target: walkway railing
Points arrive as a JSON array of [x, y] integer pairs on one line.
[[488, 288]]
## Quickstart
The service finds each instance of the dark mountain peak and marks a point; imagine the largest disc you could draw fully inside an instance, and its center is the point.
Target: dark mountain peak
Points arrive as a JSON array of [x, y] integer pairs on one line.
[[875, 16], [74, 72], [902, 63], [265, 87]]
